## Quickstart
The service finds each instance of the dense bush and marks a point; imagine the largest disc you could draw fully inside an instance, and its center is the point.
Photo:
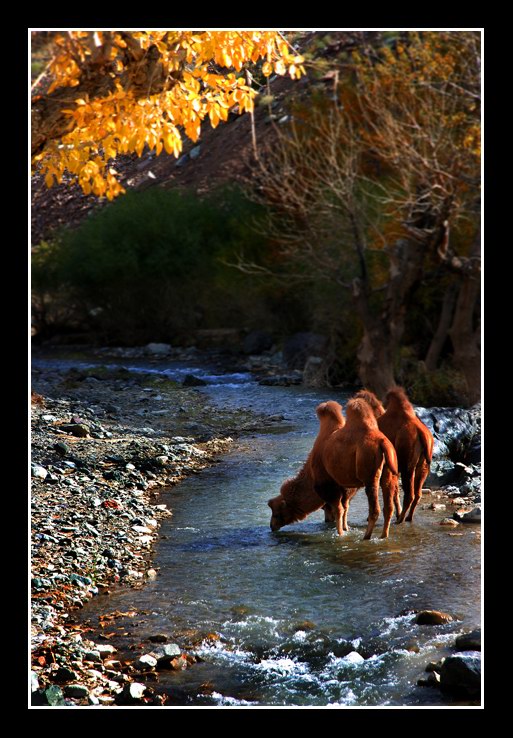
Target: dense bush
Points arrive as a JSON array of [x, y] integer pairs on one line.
[[151, 266]]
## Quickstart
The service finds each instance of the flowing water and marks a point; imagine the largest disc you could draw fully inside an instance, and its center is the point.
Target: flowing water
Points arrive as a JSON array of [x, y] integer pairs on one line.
[[301, 616]]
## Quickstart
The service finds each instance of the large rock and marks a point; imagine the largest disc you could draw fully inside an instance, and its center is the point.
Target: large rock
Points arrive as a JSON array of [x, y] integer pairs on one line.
[[457, 431], [314, 373], [461, 675], [457, 447], [300, 346], [432, 617], [469, 641], [157, 349], [191, 381], [257, 342]]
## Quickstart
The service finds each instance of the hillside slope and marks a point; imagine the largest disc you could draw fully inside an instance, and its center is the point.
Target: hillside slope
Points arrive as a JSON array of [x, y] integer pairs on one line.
[[220, 156]]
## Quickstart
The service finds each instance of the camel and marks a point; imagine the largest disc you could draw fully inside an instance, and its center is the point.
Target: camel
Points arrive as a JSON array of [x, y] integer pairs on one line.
[[297, 497], [388, 479], [346, 458], [413, 443]]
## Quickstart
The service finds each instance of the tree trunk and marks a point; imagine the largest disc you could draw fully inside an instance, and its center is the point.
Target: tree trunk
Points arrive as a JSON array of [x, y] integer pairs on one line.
[[376, 360], [442, 331], [465, 338], [465, 335]]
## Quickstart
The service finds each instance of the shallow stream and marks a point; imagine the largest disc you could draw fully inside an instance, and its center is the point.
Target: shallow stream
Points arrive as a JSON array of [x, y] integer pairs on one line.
[[301, 616]]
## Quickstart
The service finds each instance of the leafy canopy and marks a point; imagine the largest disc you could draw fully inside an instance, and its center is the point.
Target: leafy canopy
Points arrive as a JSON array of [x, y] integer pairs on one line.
[[116, 92]]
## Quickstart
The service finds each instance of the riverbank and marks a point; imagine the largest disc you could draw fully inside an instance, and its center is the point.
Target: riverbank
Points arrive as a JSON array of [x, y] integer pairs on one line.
[[106, 443]]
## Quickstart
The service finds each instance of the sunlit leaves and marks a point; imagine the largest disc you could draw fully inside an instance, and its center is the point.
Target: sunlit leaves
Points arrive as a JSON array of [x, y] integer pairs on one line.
[[198, 74]]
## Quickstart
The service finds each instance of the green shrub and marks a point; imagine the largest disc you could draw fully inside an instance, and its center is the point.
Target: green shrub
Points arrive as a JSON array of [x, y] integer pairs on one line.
[[151, 266]]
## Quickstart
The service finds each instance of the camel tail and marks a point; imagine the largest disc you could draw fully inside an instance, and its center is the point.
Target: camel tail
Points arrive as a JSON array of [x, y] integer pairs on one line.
[[390, 455], [426, 441]]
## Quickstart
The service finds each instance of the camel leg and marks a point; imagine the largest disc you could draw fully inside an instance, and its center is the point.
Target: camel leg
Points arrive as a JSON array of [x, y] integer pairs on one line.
[[407, 480], [397, 500], [339, 514], [374, 509], [329, 516], [421, 473], [389, 496], [345, 507], [347, 496]]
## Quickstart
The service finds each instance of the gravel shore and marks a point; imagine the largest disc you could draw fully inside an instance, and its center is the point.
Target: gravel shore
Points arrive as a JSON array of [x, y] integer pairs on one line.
[[104, 445]]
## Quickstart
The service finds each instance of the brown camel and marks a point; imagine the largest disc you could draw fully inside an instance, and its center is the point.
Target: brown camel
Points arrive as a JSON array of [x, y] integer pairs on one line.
[[413, 443], [389, 480], [297, 497], [346, 458]]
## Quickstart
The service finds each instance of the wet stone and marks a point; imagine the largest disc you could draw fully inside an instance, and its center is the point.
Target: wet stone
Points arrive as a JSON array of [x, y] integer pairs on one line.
[[166, 652], [80, 430], [131, 694], [146, 661], [51, 696], [471, 516], [63, 675], [159, 638], [76, 690], [432, 617], [449, 522], [469, 641], [461, 675], [432, 680], [38, 472]]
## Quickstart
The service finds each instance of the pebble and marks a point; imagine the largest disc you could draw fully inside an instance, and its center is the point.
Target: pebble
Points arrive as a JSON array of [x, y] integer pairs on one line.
[[80, 430], [131, 694], [450, 522], [471, 516], [76, 690], [147, 661], [105, 650], [159, 638], [39, 472]]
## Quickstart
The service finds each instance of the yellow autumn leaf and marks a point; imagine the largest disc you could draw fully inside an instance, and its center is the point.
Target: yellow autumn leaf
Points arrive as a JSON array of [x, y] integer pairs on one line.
[[119, 121]]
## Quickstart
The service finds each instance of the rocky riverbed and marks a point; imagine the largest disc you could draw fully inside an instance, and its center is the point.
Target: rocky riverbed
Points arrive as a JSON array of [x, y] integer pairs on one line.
[[106, 442]]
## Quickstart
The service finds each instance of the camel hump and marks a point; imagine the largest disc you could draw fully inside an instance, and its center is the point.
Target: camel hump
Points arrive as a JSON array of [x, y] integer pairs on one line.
[[330, 411], [372, 400], [397, 399], [360, 414]]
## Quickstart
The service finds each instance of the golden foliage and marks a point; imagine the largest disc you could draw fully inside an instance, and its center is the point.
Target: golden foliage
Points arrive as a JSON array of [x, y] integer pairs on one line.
[[171, 82]]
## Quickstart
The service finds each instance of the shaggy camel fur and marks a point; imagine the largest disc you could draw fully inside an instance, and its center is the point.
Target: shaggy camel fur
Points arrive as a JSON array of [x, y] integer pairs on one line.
[[413, 443], [350, 457], [297, 497], [389, 480]]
